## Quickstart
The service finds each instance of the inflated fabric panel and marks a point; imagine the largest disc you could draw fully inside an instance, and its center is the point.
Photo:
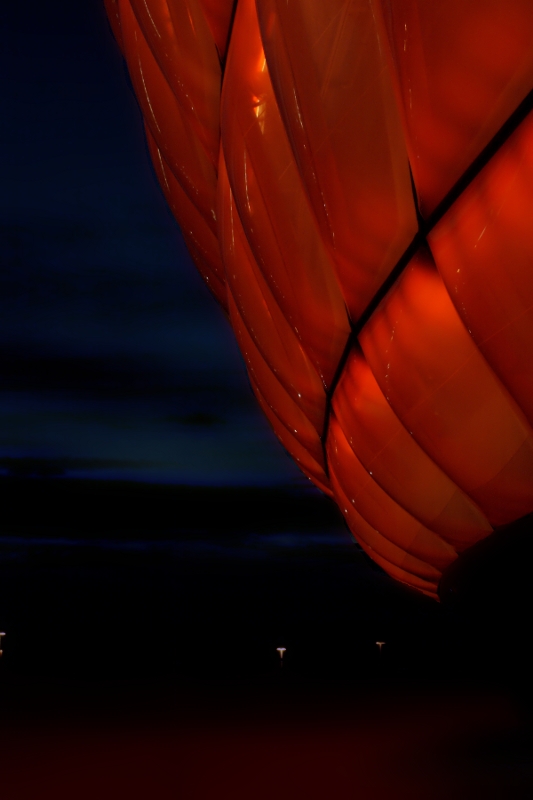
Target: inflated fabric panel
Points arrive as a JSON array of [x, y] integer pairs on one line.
[[330, 71], [397, 462], [219, 16], [264, 321], [362, 531], [463, 66], [113, 15], [263, 177], [379, 509], [353, 179], [311, 468], [421, 574], [183, 46], [181, 148], [276, 397], [447, 397], [483, 249]]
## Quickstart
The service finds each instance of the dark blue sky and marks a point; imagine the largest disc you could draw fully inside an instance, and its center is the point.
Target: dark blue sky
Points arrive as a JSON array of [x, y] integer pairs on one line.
[[116, 360]]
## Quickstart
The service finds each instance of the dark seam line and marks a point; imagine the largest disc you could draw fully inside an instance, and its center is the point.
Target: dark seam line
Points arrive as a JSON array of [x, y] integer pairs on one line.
[[471, 172], [391, 279], [323, 441], [228, 40], [419, 217], [425, 226], [399, 267], [340, 366], [351, 340]]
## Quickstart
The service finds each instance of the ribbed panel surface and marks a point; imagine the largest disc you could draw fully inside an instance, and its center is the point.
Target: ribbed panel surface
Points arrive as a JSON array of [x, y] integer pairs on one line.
[[353, 179]]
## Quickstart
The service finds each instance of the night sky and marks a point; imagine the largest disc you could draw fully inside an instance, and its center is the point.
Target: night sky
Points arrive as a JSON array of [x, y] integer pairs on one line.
[[155, 533], [117, 362]]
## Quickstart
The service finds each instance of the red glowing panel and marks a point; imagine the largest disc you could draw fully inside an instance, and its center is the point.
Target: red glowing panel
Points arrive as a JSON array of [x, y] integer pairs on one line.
[[463, 66], [219, 16], [285, 415], [329, 68], [396, 461], [182, 149], [353, 180], [263, 175], [483, 248], [260, 314], [180, 39], [440, 386]]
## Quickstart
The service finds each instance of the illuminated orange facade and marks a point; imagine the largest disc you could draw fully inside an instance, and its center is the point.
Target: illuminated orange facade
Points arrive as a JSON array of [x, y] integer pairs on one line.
[[354, 181]]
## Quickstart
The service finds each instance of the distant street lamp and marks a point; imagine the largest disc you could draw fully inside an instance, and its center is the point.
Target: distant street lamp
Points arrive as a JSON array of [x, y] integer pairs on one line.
[[281, 651], [380, 645]]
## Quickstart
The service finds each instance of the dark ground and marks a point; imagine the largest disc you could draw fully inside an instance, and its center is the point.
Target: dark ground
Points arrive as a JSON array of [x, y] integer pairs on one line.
[[140, 654]]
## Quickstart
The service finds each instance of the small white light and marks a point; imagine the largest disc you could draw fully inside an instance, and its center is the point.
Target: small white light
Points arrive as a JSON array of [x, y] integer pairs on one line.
[[380, 645], [281, 651]]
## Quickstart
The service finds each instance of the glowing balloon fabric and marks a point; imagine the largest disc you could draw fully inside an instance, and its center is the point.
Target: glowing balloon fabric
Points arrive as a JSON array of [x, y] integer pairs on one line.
[[354, 180]]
